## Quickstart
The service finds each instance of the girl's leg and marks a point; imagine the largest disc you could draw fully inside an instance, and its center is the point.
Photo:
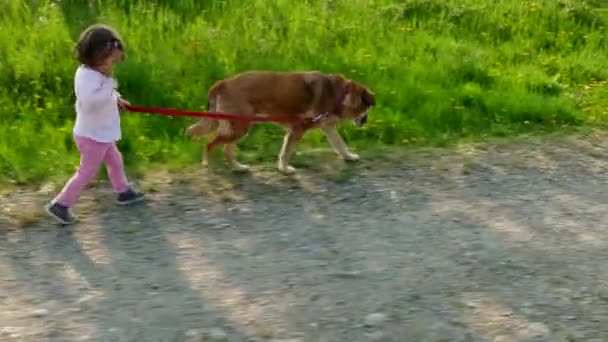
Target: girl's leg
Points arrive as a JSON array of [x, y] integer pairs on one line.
[[92, 154], [115, 167]]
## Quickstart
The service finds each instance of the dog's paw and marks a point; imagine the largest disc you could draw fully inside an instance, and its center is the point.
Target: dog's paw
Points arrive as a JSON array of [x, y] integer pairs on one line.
[[351, 157], [286, 169], [205, 163], [239, 168]]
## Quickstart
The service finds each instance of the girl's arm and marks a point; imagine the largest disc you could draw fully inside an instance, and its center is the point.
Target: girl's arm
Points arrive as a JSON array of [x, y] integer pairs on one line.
[[93, 89]]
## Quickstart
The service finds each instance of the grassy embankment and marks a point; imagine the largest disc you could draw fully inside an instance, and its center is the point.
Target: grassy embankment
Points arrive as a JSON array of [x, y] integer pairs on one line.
[[441, 70]]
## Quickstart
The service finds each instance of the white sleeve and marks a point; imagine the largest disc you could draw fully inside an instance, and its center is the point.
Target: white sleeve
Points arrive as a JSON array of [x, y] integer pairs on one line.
[[93, 89]]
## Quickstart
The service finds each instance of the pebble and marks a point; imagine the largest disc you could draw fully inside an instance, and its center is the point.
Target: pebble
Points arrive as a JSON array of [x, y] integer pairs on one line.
[[472, 304], [217, 335], [376, 336], [537, 330], [527, 309], [576, 295], [40, 313], [446, 332], [11, 332], [375, 319], [212, 335], [505, 339], [193, 336], [603, 293]]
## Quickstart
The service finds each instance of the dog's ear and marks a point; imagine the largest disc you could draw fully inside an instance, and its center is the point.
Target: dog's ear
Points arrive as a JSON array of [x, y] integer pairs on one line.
[[347, 87], [368, 98], [348, 95]]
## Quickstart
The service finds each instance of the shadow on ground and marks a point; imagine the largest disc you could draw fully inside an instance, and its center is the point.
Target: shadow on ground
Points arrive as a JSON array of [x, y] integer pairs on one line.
[[509, 243]]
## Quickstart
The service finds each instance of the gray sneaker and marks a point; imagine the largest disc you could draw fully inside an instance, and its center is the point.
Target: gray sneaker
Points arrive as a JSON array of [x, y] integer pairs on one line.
[[129, 196], [60, 213]]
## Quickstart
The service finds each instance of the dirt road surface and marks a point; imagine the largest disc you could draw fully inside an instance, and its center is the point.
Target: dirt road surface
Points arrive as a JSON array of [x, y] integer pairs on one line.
[[506, 242]]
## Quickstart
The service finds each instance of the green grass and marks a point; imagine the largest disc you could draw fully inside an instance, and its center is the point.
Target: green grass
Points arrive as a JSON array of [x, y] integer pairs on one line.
[[441, 70]]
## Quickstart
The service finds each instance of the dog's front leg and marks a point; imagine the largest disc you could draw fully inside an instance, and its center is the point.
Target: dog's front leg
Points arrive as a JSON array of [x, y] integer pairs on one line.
[[292, 136], [338, 144]]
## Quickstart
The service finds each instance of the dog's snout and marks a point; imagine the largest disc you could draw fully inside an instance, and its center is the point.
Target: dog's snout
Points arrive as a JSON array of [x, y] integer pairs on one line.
[[361, 121], [364, 120]]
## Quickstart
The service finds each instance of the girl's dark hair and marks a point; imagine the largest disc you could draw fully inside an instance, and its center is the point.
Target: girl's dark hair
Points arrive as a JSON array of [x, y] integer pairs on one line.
[[97, 43]]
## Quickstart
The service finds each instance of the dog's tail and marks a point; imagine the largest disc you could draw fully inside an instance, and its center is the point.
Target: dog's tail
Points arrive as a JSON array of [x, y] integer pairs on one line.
[[206, 126]]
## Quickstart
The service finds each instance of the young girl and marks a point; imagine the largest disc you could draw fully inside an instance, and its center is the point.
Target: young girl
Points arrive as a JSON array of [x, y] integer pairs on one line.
[[97, 127]]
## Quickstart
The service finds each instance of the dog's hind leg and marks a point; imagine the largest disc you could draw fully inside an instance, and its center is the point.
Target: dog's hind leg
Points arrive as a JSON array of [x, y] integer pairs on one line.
[[228, 134], [212, 145], [204, 126], [228, 141], [200, 128], [231, 159]]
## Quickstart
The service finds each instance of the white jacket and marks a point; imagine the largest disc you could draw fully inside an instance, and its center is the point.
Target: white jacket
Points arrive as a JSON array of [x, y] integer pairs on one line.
[[97, 115]]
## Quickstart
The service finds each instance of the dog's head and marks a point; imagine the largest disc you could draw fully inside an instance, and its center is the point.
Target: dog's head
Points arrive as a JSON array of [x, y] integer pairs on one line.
[[357, 102]]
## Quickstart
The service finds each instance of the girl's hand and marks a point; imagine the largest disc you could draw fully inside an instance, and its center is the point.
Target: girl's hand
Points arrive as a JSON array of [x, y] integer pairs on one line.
[[122, 103]]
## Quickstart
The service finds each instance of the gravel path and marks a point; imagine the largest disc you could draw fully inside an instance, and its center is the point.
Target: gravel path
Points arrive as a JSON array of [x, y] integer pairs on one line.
[[486, 243]]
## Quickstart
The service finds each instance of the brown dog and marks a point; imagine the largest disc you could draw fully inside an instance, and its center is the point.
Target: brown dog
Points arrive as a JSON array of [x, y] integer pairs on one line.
[[302, 101]]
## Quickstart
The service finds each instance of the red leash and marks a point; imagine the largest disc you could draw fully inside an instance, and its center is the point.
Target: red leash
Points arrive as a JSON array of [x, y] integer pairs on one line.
[[213, 115]]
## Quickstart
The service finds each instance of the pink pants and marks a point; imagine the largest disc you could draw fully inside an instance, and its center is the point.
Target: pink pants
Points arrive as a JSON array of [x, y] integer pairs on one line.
[[92, 155]]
